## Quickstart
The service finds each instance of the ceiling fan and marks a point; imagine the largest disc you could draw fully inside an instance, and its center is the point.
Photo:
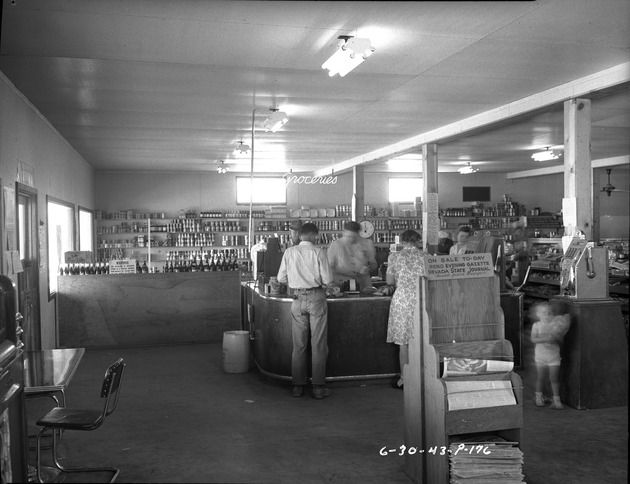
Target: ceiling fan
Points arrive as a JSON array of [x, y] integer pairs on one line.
[[609, 188]]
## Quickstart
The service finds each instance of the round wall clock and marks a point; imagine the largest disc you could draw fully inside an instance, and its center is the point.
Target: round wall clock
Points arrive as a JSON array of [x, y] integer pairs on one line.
[[367, 229]]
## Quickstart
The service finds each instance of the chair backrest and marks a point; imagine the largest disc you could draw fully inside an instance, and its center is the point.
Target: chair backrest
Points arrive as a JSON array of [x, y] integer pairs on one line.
[[111, 386]]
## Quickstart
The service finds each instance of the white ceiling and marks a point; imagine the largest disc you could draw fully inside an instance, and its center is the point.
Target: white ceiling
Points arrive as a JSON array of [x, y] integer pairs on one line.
[[172, 85]]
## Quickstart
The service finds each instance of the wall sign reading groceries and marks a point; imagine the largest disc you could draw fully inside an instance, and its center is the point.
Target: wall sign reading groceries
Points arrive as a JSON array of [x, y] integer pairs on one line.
[[463, 266]]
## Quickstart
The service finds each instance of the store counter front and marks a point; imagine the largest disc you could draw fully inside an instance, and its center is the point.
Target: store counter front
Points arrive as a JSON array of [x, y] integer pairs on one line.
[[118, 310], [357, 331]]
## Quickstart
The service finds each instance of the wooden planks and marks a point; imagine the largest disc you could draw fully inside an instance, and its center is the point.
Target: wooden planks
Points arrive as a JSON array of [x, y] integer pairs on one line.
[[143, 309]]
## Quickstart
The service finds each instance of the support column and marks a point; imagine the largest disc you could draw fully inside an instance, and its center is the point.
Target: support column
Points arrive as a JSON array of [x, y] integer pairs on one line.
[[358, 192], [577, 205], [430, 215]]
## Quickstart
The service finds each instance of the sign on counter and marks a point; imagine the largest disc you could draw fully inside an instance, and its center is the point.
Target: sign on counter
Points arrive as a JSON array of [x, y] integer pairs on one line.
[[122, 266], [463, 266]]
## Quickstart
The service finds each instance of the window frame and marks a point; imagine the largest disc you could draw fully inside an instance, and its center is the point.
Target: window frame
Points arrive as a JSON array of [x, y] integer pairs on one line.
[[389, 190], [80, 210], [278, 178], [72, 237]]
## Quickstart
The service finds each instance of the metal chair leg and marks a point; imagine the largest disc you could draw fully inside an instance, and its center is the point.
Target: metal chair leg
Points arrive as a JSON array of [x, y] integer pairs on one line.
[[56, 436]]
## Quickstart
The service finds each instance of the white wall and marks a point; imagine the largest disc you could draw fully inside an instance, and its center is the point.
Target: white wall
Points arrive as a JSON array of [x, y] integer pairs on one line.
[[26, 136], [170, 192]]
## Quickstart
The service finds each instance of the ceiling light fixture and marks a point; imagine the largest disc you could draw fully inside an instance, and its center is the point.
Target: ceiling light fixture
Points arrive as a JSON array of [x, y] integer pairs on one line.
[[468, 169], [222, 168], [274, 121], [547, 154], [348, 56], [242, 150]]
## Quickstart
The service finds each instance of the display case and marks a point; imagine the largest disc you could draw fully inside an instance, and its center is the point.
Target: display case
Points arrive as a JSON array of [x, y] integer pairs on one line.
[[543, 277]]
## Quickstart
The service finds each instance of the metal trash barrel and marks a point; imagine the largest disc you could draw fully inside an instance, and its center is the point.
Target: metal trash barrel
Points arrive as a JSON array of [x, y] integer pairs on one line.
[[236, 347]]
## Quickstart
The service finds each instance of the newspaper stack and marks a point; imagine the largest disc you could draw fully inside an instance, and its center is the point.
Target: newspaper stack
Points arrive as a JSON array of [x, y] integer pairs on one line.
[[500, 462]]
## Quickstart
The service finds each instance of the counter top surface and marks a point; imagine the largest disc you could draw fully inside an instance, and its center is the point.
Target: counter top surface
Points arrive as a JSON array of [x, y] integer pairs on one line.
[[345, 297]]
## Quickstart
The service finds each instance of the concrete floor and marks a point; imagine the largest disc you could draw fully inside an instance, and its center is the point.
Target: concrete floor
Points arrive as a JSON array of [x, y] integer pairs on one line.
[[181, 418]]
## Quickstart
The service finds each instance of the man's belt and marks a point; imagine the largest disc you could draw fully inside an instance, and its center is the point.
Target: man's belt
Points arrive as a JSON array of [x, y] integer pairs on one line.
[[306, 289]]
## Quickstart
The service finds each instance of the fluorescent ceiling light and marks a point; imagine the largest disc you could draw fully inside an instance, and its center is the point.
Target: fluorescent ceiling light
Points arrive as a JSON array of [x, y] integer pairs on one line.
[[274, 121], [468, 169], [348, 56], [548, 154]]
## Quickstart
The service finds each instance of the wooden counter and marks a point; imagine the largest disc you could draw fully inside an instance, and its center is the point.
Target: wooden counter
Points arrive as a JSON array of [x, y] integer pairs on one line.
[[357, 331], [146, 309]]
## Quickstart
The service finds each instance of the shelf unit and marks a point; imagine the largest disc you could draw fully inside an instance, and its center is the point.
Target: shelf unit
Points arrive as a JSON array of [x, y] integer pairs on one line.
[[542, 283], [443, 329], [498, 217], [479, 223], [156, 237]]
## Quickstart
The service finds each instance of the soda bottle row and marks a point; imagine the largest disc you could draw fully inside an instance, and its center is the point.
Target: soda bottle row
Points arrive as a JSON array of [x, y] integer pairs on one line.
[[185, 255], [216, 261], [82, 269]]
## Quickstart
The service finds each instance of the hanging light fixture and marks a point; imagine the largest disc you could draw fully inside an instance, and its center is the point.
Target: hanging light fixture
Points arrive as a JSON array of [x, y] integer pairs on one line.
[[242, 150], [222, 168], [548, 154], [468, 169], [348, 56], [275, 120]]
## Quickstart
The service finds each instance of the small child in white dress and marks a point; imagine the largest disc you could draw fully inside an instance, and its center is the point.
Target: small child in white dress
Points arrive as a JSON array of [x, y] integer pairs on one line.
[[547, 334]]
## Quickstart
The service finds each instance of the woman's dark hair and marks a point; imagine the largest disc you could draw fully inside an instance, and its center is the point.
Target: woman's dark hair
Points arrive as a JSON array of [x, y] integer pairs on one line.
[[410, 236], [466, 229]]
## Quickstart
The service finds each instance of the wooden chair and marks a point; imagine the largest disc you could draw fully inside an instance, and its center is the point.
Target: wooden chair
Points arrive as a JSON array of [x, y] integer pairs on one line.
[[62, 418]]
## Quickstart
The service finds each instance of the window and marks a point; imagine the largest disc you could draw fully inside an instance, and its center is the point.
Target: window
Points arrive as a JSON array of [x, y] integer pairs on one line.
[[404, 189], [267, 190], [86, 230], [60, 237]]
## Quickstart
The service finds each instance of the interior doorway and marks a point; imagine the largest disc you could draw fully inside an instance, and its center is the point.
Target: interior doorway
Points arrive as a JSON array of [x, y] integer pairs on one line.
[[28, 279]]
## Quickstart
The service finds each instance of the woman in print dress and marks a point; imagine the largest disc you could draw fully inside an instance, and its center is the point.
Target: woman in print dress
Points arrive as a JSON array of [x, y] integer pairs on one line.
[[403, 269]]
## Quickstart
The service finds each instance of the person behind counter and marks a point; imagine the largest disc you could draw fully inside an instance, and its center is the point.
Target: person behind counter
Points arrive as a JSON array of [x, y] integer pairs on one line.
[[294, 233], [403, 269], [305, 269], [444, 243], [463, 234], [352, 257]]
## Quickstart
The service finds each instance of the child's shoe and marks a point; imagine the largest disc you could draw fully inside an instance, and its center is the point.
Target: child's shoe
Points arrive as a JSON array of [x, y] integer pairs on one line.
[[540, 400], [556, 404]]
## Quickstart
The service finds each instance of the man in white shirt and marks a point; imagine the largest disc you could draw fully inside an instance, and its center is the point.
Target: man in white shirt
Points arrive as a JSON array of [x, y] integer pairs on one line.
[[304, 268]]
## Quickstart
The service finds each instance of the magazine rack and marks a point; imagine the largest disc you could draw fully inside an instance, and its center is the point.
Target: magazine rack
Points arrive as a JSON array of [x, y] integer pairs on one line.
[[456, 318]]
